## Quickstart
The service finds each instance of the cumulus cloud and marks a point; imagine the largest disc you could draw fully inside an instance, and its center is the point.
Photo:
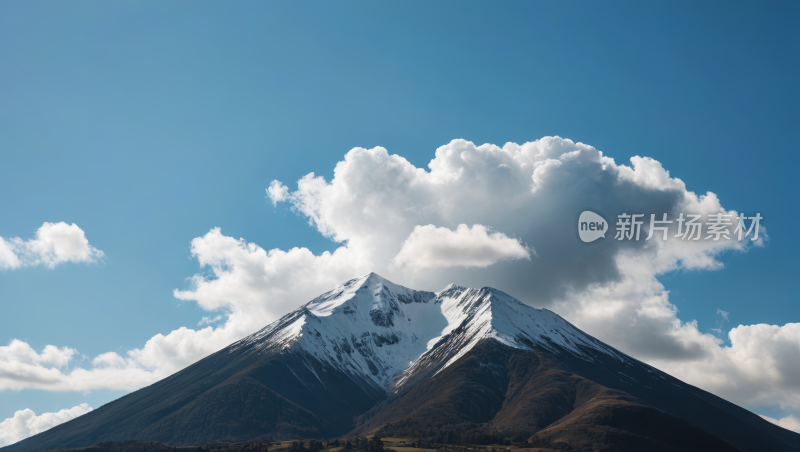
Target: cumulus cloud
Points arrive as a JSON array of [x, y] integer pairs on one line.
[[788, 422], [8, 255], [760, 367], [53, 244], [21, 367], [431, 247], [277, 192], [394, 218], [26, 423]]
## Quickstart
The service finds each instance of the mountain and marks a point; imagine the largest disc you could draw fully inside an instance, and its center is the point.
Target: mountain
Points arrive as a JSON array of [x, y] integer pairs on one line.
[[468, 365]]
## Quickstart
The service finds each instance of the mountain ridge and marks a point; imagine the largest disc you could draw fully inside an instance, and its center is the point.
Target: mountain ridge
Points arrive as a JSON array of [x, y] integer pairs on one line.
[[370, 351]]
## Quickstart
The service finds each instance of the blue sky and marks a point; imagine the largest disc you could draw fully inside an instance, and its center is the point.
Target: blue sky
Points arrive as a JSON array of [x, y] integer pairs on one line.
[[149, 123]]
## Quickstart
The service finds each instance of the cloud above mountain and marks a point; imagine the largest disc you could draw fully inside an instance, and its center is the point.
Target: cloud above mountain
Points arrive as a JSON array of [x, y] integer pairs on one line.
[[431, 247], [498, 216]]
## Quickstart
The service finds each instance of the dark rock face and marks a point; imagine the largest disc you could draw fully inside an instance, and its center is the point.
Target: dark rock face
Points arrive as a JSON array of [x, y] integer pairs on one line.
[[381, 318]]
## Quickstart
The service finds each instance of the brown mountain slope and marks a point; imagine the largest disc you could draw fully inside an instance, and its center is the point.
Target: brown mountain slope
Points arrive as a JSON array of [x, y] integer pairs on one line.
[[508, 392], [605, 426]]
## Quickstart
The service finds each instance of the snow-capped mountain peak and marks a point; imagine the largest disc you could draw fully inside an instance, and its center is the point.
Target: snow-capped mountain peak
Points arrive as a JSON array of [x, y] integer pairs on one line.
[[369, 293], [370, 327]]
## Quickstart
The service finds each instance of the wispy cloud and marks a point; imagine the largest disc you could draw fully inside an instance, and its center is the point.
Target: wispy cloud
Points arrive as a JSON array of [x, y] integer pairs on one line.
[[208, 320], [724, 317]]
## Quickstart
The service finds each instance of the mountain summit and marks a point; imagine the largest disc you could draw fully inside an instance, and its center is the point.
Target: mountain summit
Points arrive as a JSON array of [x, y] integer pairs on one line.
[[370, 327], [462, 365]]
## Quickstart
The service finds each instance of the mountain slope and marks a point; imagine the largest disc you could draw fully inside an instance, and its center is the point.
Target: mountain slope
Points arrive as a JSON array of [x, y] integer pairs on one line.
[[509, 392], [461, 360]]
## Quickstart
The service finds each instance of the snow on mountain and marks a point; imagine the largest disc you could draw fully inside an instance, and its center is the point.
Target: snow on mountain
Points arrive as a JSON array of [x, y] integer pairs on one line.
[[370, 327], [490, 313]]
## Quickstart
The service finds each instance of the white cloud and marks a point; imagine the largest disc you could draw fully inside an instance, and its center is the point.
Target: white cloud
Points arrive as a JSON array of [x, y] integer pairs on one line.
[[788, 422], [431, 247], [208, 320], [22, 352], [761, 366], [724, 318], [54, 244], [26, 423], [21, 367], [8, 257], [725, 315], [383, 211], [277, 192]]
